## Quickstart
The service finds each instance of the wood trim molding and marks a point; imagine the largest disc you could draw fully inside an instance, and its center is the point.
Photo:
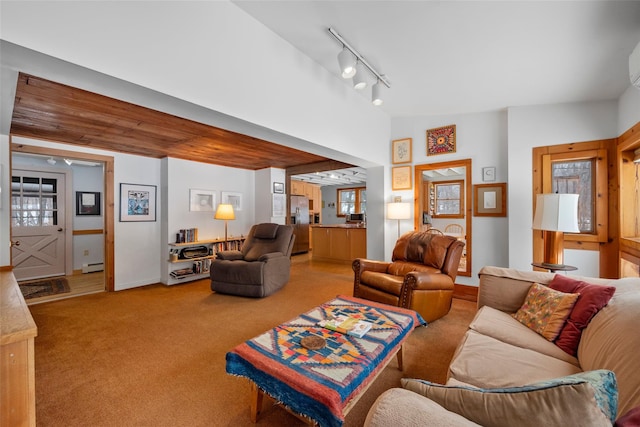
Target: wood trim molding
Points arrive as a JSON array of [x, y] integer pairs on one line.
[[465, 292], [86, 232]]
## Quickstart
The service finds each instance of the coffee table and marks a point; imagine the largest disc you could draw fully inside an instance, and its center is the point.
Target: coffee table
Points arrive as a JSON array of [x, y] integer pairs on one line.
[[322, 385]]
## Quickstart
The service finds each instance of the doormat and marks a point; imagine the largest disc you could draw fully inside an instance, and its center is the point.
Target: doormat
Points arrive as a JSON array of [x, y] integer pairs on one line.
[[44, 287]]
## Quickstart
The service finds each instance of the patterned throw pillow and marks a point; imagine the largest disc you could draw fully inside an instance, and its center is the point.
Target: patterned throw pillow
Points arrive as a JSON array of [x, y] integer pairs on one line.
[[584, 399], [545, 310]]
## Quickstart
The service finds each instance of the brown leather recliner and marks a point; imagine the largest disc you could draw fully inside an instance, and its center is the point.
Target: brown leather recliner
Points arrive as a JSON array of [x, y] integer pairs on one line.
[[262, 266], [420, 277]]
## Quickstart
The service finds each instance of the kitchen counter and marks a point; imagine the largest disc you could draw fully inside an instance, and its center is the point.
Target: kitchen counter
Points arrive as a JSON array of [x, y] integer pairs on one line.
[[338, 242]]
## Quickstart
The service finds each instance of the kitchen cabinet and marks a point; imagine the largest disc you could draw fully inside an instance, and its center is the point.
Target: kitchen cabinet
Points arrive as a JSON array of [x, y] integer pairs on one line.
[[339, 243]]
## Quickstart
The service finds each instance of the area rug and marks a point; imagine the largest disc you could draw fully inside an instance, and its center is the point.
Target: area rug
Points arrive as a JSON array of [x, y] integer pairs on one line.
[[44, 287]]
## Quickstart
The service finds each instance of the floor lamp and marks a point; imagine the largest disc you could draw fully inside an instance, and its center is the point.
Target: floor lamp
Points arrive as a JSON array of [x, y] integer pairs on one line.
[[398, 211], [225, 212], [555, 215]]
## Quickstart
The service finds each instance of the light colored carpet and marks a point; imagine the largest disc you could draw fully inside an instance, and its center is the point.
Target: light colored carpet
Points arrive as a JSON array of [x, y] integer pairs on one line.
[[155, 356]]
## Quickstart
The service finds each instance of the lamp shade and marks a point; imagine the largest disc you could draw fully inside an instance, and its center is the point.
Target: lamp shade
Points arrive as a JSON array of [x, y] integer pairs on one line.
[[398, 210], [556, 212], [225, 211]]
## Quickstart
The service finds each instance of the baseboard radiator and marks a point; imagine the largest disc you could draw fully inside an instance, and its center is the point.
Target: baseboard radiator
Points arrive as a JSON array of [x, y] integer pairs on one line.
[[91, 268]]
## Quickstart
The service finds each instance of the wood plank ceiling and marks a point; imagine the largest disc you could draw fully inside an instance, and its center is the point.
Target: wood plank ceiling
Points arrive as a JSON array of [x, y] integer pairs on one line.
[[48, 110]]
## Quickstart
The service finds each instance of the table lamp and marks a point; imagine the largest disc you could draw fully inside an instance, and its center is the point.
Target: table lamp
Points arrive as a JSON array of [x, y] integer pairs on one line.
[[555, 215], [225, 212], [398, 211]]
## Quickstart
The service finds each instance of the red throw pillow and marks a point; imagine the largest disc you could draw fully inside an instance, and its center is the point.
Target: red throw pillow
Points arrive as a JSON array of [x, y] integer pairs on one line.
[[630, 419], [592, 299]]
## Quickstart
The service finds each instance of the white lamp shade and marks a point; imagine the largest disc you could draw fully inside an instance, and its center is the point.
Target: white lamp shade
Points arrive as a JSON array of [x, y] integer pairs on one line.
[[398, 210], [347, 64], [556, 212], [225, 211]]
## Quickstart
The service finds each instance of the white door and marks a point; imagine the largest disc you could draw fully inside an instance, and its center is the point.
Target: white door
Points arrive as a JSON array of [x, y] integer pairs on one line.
[[37, 224]]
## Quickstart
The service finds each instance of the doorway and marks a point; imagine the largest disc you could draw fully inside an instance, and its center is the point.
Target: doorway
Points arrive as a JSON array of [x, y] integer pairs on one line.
[[38, 224], [105, 230]]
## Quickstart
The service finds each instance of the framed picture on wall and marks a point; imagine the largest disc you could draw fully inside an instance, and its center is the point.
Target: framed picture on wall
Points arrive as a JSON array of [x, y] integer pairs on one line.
[[87, 203], [490, 199], [401, 150], [401, 178], [201, 200], [441, 140], [137, 202], [232, 198]]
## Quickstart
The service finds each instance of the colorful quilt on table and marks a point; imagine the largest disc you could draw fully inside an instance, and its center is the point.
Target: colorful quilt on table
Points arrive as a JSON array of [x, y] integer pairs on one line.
[[319, 383]]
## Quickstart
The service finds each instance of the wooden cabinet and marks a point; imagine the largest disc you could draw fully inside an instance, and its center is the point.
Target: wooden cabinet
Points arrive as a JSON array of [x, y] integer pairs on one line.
[[339, 244], [17, 356], [311, 191]]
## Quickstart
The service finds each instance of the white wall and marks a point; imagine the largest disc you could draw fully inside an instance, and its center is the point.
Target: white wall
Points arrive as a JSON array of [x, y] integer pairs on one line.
[[540, 126], [264, 180], [482, 138], [628, 109]]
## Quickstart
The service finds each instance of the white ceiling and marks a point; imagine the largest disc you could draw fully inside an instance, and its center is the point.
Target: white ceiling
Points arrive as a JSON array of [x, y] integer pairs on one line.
[[469, 56]]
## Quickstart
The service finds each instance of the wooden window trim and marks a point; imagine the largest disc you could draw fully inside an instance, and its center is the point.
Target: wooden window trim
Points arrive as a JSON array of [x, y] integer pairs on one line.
[[358, 191], [460, 182], [600, 197]]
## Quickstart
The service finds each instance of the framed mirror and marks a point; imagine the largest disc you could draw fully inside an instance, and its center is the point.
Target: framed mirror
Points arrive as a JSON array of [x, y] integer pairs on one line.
[[443, 203]]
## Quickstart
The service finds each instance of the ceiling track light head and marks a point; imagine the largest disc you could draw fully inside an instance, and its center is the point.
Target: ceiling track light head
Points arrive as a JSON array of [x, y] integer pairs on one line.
[[376, 96], [359, 80], [347, 63]]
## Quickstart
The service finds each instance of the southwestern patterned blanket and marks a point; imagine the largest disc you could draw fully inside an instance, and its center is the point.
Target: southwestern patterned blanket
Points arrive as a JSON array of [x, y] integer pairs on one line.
[[318, 384]]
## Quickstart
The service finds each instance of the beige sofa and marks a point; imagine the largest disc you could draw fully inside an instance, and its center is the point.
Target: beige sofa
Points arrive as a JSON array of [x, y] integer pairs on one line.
[[504, 373]]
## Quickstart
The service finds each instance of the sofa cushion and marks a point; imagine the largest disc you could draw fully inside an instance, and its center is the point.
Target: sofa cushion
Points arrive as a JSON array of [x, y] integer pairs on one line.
[[588, 398], [400, 407], [592, 299], [630, 419], [504, 327], [611, 341], [388, 283], [486, 362], [545, 310]]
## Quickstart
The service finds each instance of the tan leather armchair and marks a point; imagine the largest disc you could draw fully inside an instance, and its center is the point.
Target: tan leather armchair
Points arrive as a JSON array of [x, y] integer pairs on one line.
[[420, 277], [262, 266]]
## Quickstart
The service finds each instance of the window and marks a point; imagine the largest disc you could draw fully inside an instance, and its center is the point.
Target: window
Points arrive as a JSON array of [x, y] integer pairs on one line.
[[352, 200], [577, 177], [448, 199]]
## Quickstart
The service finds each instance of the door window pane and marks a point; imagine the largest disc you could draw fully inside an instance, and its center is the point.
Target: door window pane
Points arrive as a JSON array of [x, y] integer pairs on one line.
[[34, 201]]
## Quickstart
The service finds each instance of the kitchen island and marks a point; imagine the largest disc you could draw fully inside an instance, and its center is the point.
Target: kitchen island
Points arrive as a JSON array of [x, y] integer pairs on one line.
[[339, 242]]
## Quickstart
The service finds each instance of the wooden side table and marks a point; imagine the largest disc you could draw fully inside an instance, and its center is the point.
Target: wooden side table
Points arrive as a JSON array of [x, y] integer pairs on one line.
[[554, 267]]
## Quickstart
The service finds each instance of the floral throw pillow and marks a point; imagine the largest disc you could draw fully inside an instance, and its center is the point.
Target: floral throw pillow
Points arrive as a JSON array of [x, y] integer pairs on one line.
[[545, 310]]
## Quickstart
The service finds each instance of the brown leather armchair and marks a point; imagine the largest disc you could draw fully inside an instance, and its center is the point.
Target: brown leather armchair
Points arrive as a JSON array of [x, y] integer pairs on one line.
[[420, 277], [262, 266]]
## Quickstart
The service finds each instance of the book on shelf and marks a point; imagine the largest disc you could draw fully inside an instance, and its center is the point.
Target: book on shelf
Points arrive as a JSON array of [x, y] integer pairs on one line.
[[187, 235], [183, 272], [346, 325]]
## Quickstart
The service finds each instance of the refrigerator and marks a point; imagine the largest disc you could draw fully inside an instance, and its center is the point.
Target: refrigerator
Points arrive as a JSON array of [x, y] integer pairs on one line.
[[300, 222]]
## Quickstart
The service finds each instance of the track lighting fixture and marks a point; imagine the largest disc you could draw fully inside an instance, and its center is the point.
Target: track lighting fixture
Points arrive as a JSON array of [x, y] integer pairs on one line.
[[51, 161], [352, 64], [68, 161], [359, 80]]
